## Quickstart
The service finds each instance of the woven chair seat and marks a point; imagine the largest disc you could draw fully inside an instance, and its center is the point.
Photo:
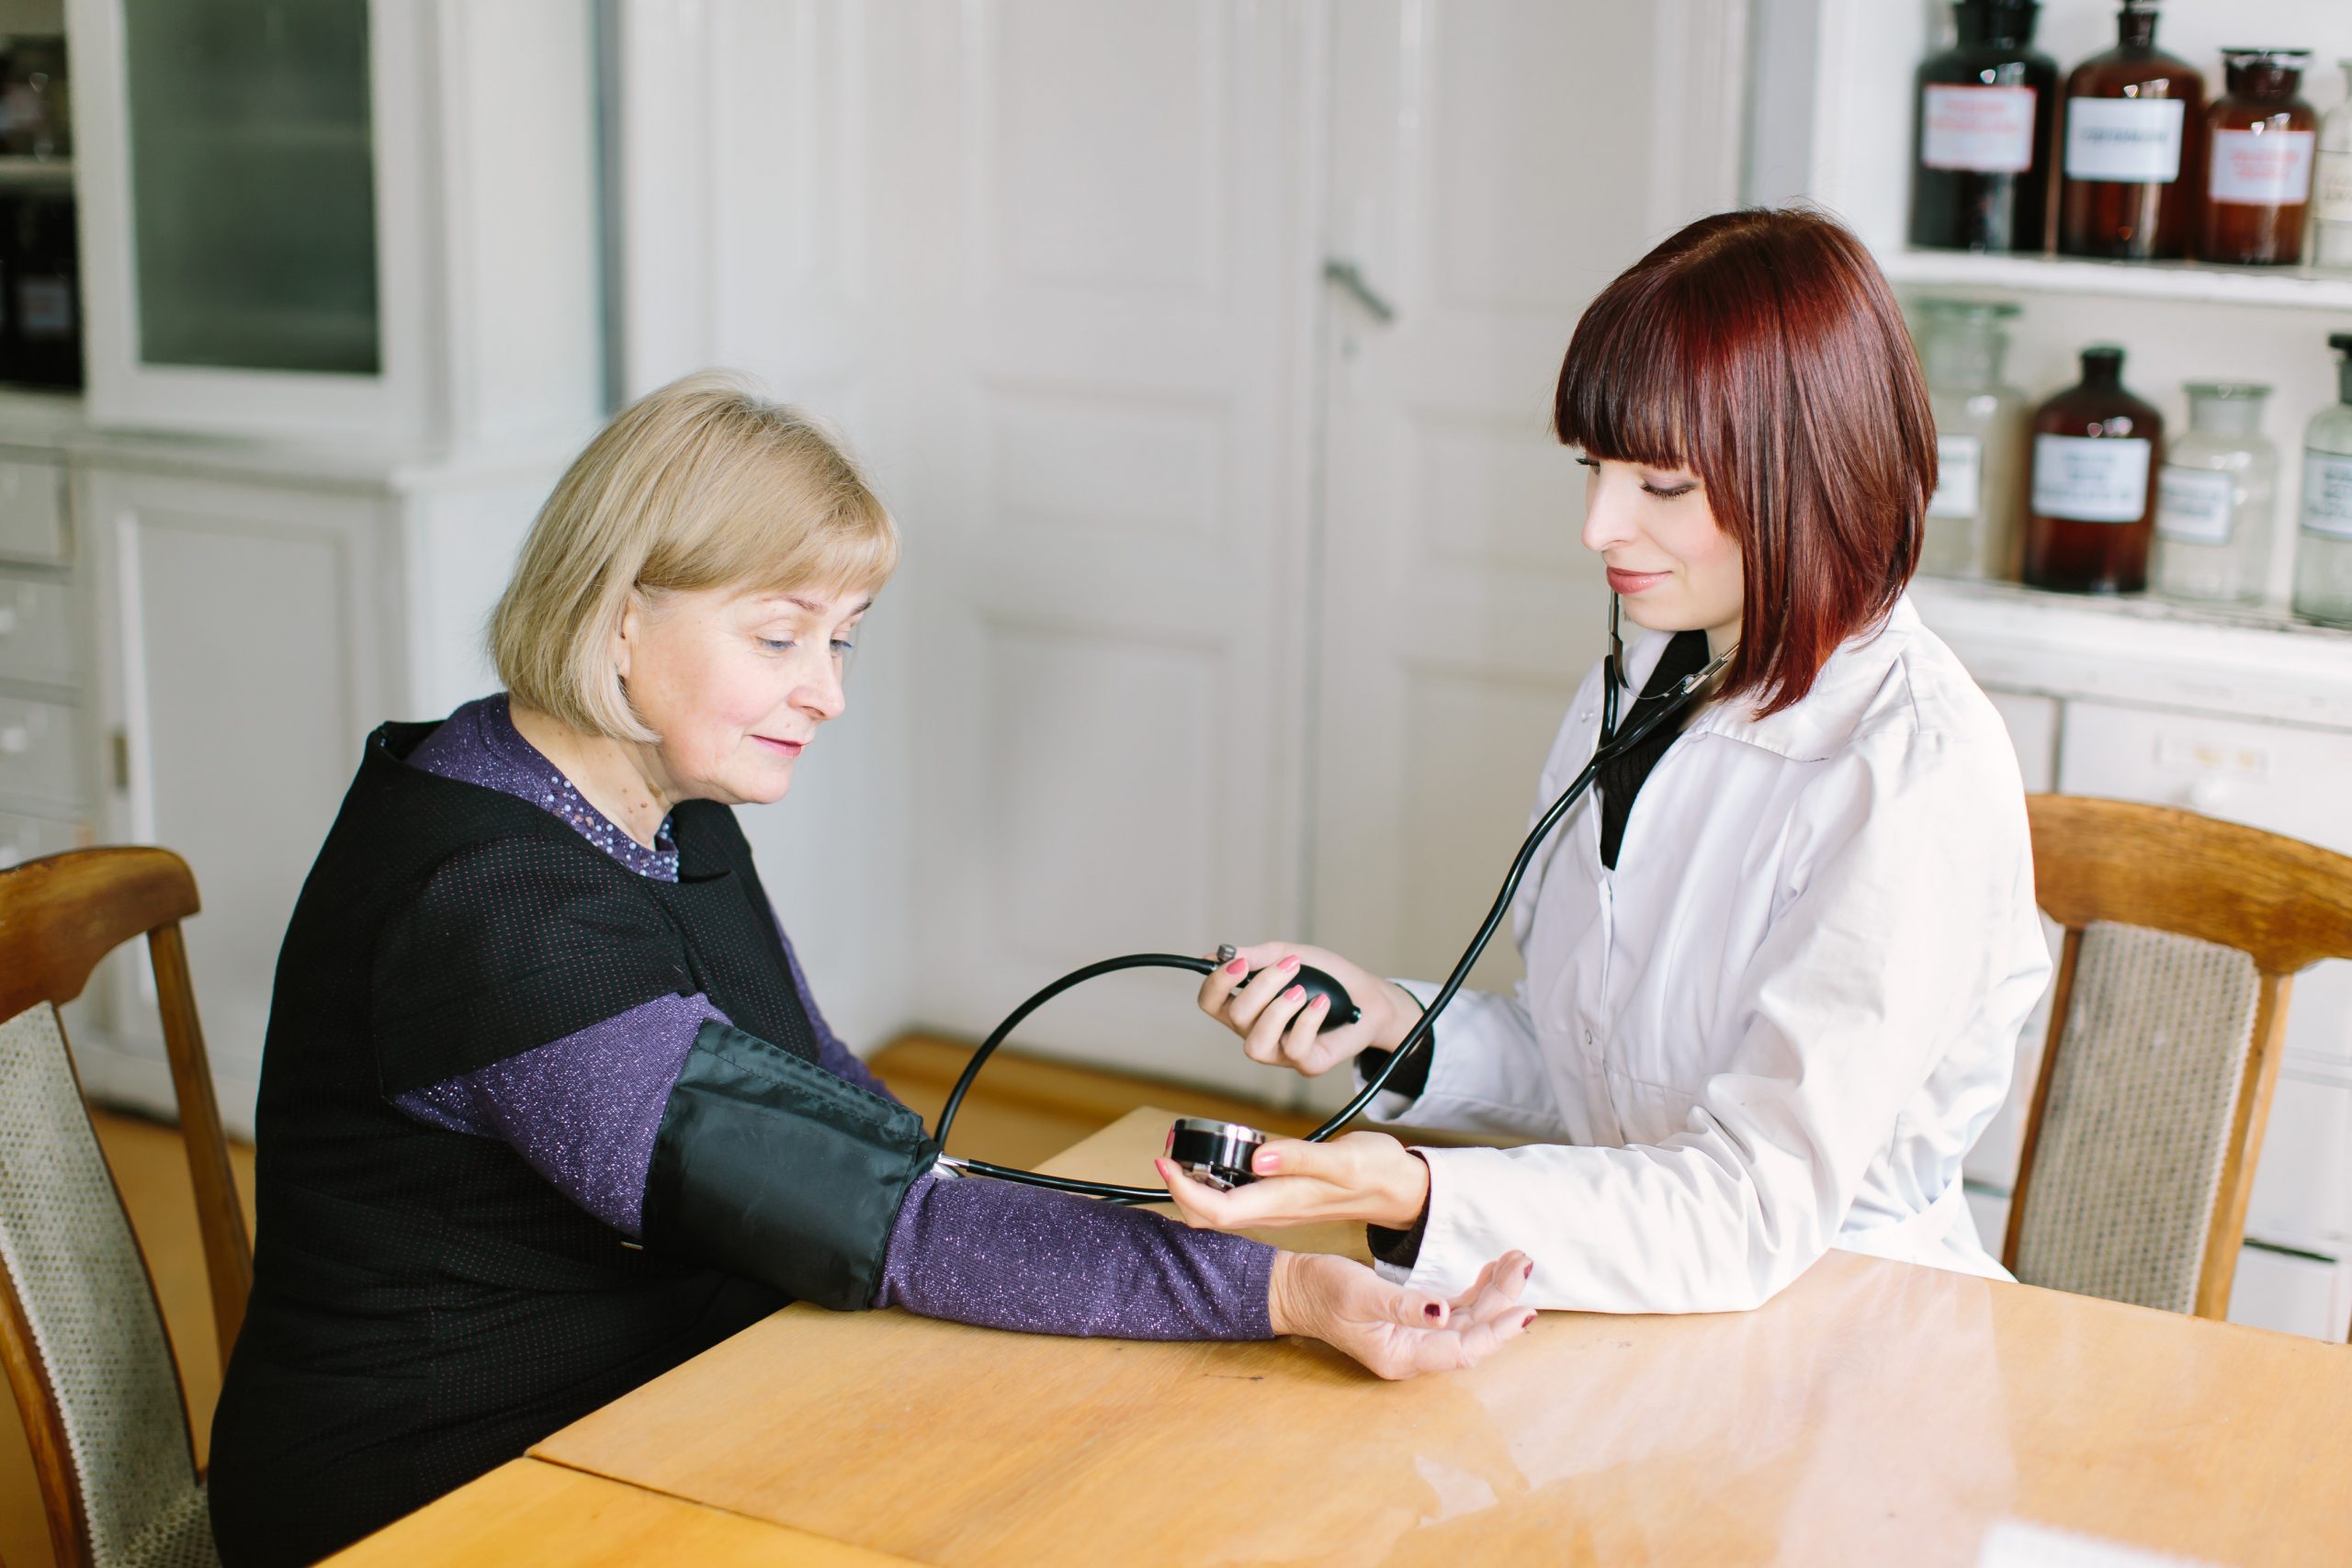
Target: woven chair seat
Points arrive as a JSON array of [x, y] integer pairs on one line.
[[2135, 1134], [84, 1293]]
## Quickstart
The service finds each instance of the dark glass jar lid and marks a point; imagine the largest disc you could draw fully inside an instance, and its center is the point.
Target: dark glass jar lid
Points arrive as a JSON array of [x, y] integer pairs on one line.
[[2277, 59]]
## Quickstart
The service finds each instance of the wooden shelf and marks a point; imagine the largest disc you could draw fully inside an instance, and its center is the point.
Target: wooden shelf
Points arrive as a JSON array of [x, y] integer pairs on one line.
[[2280, 287]]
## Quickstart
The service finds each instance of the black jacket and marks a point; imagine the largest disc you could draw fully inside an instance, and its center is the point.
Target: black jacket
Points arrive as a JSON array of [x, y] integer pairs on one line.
[[426, 1305]]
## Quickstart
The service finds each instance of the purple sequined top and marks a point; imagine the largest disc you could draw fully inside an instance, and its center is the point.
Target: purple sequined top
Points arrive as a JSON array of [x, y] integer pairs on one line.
[[584, 1111]]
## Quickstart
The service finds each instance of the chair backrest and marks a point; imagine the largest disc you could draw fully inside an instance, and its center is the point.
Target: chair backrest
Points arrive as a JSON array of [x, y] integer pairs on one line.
[[2182, 934], [81, 1336]]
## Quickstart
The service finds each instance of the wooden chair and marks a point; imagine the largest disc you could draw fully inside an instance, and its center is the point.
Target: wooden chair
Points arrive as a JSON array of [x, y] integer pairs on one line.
[[2183, 935], [80, 1332]]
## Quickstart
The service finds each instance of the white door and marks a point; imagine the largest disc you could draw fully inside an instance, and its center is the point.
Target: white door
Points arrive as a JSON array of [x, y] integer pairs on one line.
[[1494, 162], [1049, 263], [1111, 704], [1056, 267]]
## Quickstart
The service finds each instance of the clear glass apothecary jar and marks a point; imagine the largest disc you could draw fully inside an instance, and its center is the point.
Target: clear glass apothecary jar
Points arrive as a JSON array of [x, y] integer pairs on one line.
[[1971, 529], [2216, 498], [2323, 544]]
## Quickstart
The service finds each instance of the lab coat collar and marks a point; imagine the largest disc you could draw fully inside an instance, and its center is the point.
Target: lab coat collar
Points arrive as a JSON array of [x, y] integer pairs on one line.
[[1818, 725]]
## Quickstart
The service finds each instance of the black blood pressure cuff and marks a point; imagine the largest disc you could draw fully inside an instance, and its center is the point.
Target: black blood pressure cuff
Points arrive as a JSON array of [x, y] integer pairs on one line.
[[770, 1166]]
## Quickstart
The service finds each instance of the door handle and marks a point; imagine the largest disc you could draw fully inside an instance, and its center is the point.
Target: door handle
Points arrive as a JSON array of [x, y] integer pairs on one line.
[[1350, 277]]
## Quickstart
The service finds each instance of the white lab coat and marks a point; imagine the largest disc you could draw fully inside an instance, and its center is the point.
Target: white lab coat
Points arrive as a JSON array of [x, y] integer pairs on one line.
[[1775, 1027]]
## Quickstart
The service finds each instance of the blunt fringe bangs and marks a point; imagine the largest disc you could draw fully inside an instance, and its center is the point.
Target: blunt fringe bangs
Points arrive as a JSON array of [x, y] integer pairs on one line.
[[704, 483], [1763, 351]]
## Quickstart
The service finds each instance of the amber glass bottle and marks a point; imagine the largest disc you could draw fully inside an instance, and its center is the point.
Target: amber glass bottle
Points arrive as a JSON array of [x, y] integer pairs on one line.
[[2092, 510], [2135, 129], [2261, 138], [1983, 115]]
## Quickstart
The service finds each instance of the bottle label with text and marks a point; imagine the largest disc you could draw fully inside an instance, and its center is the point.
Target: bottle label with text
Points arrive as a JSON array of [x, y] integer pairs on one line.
[[1959, 470], [2261, 168], [1987, 130], [2327, 495], [2091, 478], [2134, 140], [2193, 506], [2331, 192]]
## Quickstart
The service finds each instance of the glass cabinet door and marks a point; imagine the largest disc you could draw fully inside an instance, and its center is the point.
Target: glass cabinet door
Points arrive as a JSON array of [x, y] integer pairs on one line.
[[251, 175]]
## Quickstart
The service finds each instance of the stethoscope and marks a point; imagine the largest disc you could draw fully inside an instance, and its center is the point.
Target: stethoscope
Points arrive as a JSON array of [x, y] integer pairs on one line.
[[1219, 1152]]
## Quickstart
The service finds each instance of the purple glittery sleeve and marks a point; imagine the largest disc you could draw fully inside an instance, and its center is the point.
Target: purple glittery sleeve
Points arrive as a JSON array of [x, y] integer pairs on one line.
[[1004, 1257], [584, 1110]]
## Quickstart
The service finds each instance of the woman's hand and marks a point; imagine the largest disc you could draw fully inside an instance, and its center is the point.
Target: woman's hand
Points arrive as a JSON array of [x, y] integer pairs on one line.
[[1397, 1332], [1278, 1023], [1366, 1177]]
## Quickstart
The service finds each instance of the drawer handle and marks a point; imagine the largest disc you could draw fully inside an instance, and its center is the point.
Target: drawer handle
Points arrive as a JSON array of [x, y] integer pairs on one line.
[[16, 739]]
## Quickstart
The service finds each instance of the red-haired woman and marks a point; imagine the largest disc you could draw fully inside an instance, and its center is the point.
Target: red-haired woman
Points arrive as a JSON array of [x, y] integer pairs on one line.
[[1777, 962]]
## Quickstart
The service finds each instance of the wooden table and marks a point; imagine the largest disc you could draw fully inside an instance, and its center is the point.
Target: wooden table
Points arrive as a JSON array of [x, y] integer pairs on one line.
[[530, 1511], [1873, 1413]]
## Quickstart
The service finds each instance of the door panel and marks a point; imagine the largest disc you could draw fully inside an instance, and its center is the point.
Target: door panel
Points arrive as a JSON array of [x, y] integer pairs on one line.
[[1494, 165], [273, 589], [1113, 633]]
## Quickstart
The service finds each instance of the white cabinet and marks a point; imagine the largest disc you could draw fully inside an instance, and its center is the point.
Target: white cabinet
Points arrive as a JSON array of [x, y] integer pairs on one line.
[[254, 624], [360, 238], [370, 222], [2235, 718]]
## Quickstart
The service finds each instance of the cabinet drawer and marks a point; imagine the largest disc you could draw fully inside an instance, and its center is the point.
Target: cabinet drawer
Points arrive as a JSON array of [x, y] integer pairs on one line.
[[2033, 730], [2294, 1295], [36, 632], [2288, 781], [2302, 1186], [32, 510], [38, 752], [30, 838]]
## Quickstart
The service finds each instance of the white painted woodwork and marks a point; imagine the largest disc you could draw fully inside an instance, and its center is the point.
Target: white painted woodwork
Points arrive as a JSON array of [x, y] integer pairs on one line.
[[254, 624], [1458, 609], [1110, 704], [32, 507], [238, 754], [221, 621], [483, 141]]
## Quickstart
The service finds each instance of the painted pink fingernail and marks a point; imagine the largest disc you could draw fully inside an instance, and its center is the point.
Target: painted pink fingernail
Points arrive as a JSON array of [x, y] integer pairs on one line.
[[1292, 961], [1528, 1319], [1294, 991], [1266, 1160], [1238, 966]]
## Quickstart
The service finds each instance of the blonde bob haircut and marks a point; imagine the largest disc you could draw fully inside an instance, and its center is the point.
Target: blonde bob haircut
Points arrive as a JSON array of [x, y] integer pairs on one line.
[[703, 484]]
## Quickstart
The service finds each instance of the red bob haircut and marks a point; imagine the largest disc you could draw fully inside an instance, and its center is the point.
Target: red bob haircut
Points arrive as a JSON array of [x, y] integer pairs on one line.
[[1763, 351]]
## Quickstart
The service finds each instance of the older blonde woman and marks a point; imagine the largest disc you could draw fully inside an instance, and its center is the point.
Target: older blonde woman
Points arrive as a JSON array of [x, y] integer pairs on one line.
[[546, 1106]]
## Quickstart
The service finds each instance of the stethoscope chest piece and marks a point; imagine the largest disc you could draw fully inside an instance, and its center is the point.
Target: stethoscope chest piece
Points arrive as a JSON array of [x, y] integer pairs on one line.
[[1217, 1153]]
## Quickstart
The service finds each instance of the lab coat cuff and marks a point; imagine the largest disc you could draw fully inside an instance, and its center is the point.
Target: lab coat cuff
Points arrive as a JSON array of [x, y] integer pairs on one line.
[[1455, 1240]]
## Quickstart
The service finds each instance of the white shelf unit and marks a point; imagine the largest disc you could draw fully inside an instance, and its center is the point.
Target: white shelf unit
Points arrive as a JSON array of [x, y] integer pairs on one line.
[[2244, 715], [2291, 289], [215, 580]]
